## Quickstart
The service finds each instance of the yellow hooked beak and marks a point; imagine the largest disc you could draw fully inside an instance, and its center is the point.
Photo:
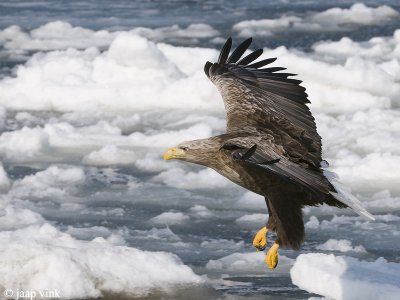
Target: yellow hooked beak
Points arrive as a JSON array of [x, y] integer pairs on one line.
[[173, 153]]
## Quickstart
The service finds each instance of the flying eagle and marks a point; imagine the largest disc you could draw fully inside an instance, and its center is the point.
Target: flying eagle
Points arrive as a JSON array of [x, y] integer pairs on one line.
[[271, 145]]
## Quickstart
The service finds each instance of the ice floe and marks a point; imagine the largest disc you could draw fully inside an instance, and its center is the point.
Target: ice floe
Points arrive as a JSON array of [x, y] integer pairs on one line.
[[51, 260], [251, 262], [333, 19], [170, 218], [341, 246], [342, 277]]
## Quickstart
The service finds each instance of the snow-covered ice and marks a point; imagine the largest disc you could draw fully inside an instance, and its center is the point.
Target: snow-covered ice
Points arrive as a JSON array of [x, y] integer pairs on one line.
[[341, 246], [333, 19], [50, 260], [342, 277]]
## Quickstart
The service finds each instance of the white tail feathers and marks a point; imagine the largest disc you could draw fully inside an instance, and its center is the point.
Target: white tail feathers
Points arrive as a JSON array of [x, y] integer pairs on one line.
[[344, 196]]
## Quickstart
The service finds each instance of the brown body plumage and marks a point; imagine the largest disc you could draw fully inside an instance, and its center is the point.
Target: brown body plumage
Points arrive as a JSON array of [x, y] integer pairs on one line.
[[271, 146]]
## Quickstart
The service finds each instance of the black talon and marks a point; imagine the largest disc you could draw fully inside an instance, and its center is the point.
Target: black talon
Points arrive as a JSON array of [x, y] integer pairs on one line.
[[260, 248]]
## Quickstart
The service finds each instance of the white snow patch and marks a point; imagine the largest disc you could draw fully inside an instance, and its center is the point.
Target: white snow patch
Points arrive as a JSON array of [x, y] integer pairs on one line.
[[4, 180], [54, 35], [341, 277], [158, 234], [333, 19], [55, 182], [251, 219], [358, 13], [13, 218], [204, 179], [109, 155], [170, 218], [312, 223], [216, 246], [251, 201], [133, 75], [192, 32], [89, 268], [200, 211], [341, 245], [60, 35], [249, 263]]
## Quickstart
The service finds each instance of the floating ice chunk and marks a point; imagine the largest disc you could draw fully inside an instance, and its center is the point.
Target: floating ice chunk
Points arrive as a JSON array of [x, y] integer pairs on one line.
[[54, 35], [152, 162], [3, 115], [4, 180], [253, 219], [158, 234], [265, 27], [328, 91], [347, 47], [215, 245], [138, 53], [55, 182], [89, 268], [193, 31], [115, 237], [24, 145], [134, 75], [383, 201], [249, 263], [121, 80], [170, 218], [369, 173], [341, 277], [200, 211], [204, 179], [312, 223], [358, 13], [172, 137], [251, 201], [182, 57], [341, 245], [334, 19], [60, 35], [99, 144], [12, 218], [109, 155]]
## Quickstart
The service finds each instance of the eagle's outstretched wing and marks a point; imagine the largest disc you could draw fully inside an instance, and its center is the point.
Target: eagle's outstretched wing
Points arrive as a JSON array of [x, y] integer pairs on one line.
[[269, 126], [262, 100]]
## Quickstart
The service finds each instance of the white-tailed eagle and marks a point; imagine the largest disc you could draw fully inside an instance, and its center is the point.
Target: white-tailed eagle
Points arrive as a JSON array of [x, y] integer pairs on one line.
[[271, 145]]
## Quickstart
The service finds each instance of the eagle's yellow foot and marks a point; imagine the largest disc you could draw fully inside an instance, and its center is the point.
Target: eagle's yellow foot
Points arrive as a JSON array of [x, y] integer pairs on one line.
[[260, 240], [272, 257]]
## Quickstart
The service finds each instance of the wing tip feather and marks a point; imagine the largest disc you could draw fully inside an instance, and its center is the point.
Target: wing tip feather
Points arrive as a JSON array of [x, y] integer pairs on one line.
[[239, 51], [207, 67], [223, 56]]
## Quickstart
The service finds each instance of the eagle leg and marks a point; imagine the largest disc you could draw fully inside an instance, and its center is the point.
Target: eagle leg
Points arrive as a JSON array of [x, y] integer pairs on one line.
[[260, 239], [271, 259]]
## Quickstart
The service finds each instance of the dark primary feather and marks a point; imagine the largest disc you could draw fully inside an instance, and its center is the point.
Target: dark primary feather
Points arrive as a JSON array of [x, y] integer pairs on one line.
[[223, 56], [251, 57], [262, 63], [264, 100], [239, 51]]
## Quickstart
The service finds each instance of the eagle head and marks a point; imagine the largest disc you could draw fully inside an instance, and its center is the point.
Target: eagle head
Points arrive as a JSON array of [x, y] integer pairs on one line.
[[200, 152]]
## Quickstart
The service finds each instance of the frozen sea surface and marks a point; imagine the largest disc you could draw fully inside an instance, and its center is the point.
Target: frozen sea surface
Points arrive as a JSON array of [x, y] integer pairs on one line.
[[92, 93]]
